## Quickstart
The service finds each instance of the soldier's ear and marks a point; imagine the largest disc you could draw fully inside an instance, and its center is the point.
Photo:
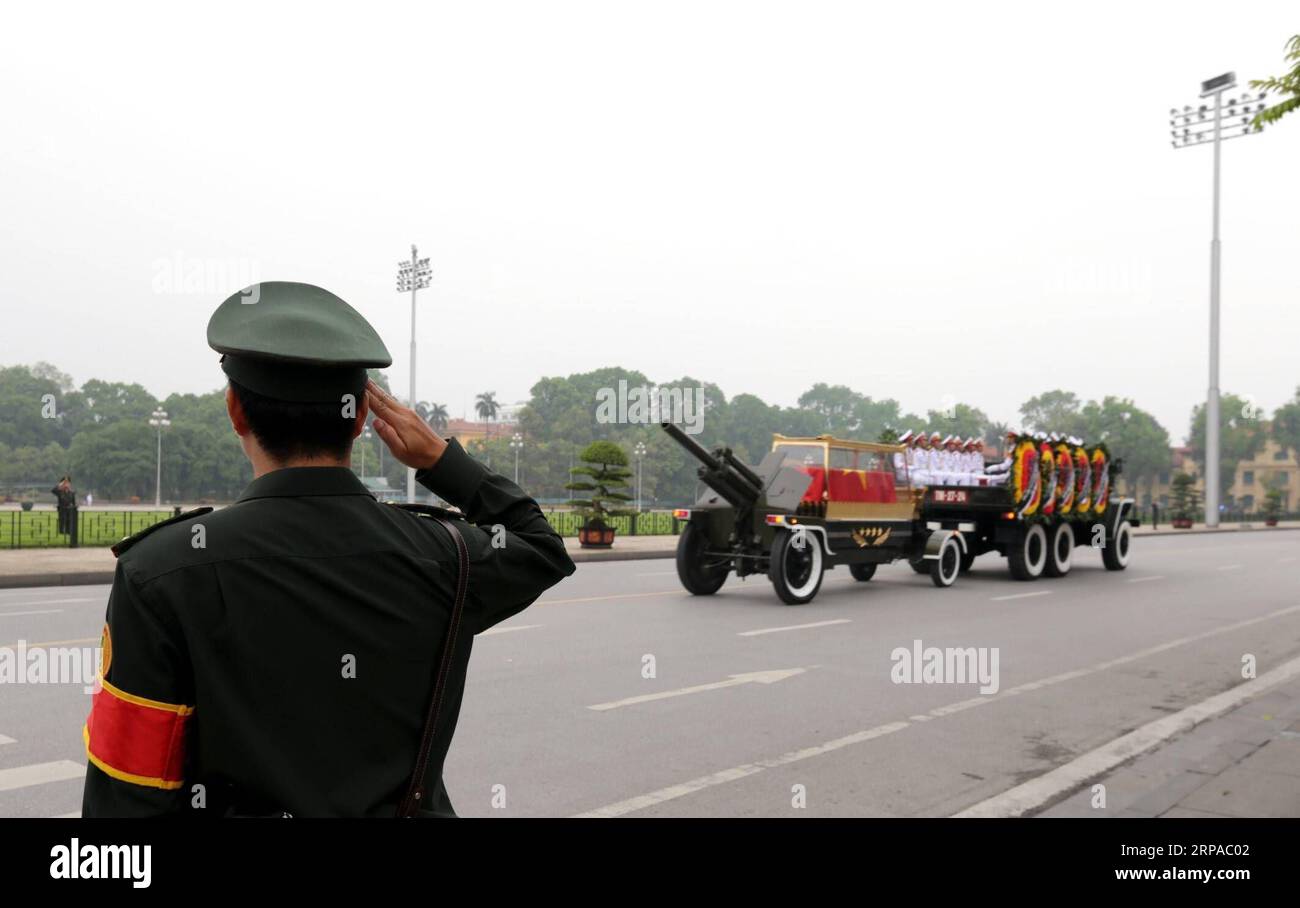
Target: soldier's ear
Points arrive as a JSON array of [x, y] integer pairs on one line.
[[236, 412], [363, 414]]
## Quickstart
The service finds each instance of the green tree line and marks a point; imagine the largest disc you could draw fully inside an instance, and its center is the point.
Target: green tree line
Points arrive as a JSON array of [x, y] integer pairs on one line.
[[99, 433]]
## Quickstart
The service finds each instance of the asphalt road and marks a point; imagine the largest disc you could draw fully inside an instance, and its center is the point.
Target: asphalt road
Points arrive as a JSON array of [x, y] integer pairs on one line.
[[559, 718]]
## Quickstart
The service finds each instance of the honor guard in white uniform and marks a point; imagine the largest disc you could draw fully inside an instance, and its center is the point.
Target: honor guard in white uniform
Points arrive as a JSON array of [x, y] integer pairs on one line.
[[999, 472], [903, 459]]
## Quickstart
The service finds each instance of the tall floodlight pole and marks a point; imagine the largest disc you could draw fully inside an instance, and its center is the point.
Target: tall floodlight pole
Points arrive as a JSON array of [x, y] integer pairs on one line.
[[158, 419], [1201, 126], [517, 442], [639, 450], [413, 275]]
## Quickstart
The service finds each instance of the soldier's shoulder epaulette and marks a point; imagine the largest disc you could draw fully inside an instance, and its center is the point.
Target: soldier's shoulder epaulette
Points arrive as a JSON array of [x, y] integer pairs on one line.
[[129, 541], [426, 510]]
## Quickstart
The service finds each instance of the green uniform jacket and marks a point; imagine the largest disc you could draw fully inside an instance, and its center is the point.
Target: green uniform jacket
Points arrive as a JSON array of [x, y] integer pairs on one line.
[[280, 653]]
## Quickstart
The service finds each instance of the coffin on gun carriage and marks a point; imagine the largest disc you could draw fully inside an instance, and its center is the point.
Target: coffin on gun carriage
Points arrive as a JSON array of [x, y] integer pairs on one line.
[[816, 503]]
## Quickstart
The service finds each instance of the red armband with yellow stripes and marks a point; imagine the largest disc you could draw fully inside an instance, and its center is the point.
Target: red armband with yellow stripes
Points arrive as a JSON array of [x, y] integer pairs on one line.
[[137, 740]]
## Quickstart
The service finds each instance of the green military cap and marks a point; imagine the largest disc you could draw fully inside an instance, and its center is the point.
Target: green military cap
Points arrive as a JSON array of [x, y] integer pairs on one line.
[[295, 342]]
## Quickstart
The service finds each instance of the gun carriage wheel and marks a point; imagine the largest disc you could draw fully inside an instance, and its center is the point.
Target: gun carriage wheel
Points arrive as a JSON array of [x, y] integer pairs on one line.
[[698, 575], [796, 567]]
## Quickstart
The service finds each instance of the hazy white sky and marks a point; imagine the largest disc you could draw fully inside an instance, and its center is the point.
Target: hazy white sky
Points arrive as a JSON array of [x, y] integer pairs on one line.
[[923, 201]]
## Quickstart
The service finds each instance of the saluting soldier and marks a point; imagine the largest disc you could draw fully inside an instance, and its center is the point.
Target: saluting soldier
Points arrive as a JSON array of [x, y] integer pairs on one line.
[[282, 655]]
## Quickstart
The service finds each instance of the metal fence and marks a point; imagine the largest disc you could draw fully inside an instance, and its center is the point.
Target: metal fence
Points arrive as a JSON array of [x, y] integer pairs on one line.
[[650, 523], [40, 529]]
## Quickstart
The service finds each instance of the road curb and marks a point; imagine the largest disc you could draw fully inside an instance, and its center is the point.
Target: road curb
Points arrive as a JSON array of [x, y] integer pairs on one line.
[[71, 578], [1195, 532], [95, 578]]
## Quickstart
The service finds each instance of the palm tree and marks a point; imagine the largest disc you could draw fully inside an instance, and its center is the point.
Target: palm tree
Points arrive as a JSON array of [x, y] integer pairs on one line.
[[486, 406], [995, 435], [434, 414]]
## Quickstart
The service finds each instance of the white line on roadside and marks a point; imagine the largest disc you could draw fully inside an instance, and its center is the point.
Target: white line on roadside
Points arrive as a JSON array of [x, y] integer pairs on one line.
[[1021, 596], [792, 627], [767, 677], [1024, 798], [657, 574], [43, 611], [5, 739], [641, 802], [1227, 567], [1145, 579], [39, 774], [75, 815], [604, 598], [55, 601], [509, 629]]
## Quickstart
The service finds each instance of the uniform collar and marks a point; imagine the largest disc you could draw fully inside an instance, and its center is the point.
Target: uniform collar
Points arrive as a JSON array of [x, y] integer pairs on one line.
[[298, 481]]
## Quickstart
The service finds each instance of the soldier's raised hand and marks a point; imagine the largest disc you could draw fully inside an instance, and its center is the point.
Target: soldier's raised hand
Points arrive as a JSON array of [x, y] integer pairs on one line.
[[409, 437]]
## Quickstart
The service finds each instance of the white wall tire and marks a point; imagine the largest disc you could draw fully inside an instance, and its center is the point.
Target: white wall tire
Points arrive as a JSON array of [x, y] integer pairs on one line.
[[1028, 556], [945, 568], [796, 570], [1060, 550], [1115, 555]]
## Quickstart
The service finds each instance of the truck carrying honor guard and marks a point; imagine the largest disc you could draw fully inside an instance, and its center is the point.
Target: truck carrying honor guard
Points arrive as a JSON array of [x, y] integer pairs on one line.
[[819, 502]]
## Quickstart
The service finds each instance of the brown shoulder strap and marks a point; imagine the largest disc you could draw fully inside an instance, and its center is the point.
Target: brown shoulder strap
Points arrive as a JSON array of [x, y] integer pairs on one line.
[[415, 790]]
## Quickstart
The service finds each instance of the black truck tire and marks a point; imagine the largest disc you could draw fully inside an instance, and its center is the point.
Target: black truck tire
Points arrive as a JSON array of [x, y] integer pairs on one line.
[[796, 568], [1027, 556], [863, 572], [920, 566], [698, 578], [945, 568], [1060, 550], [1115, 553]]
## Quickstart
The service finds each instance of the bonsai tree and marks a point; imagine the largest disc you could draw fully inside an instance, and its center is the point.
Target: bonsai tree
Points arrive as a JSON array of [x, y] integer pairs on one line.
[[1272, 505], [602, 473], [1185, 496]]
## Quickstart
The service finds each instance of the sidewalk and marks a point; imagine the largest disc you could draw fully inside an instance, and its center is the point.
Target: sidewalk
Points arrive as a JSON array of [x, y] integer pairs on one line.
[[75, 567], [1245, 763], [71, 567]]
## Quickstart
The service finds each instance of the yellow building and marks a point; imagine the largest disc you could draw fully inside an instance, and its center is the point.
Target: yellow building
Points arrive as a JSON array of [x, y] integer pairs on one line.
[[1272, 467]]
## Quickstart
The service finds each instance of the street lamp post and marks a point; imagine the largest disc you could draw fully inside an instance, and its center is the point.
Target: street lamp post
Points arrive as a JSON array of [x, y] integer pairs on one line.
[[517, 442], [1201, 126], [158, 419], [639, 450], [412, 275]]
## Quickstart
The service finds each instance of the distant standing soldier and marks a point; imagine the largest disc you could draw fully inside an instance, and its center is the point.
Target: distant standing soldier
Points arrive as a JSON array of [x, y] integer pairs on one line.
[[66, 502], [299, 652]]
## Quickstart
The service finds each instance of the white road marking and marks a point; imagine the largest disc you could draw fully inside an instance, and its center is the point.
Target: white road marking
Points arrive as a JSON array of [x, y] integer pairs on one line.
[[792, 627], [509, 629], [657, 574], [5, 739], [1145, 579], [641, 802], [1021, 596], [39, 774], [603, 598], [1287, 560], [1024, 798], [75, 815], [1228, 567], [767, 677], [43, 611], [52, 601]]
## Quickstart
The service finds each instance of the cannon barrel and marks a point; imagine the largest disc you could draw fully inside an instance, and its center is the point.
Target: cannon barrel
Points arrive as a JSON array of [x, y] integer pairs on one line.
[[723, 473]]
